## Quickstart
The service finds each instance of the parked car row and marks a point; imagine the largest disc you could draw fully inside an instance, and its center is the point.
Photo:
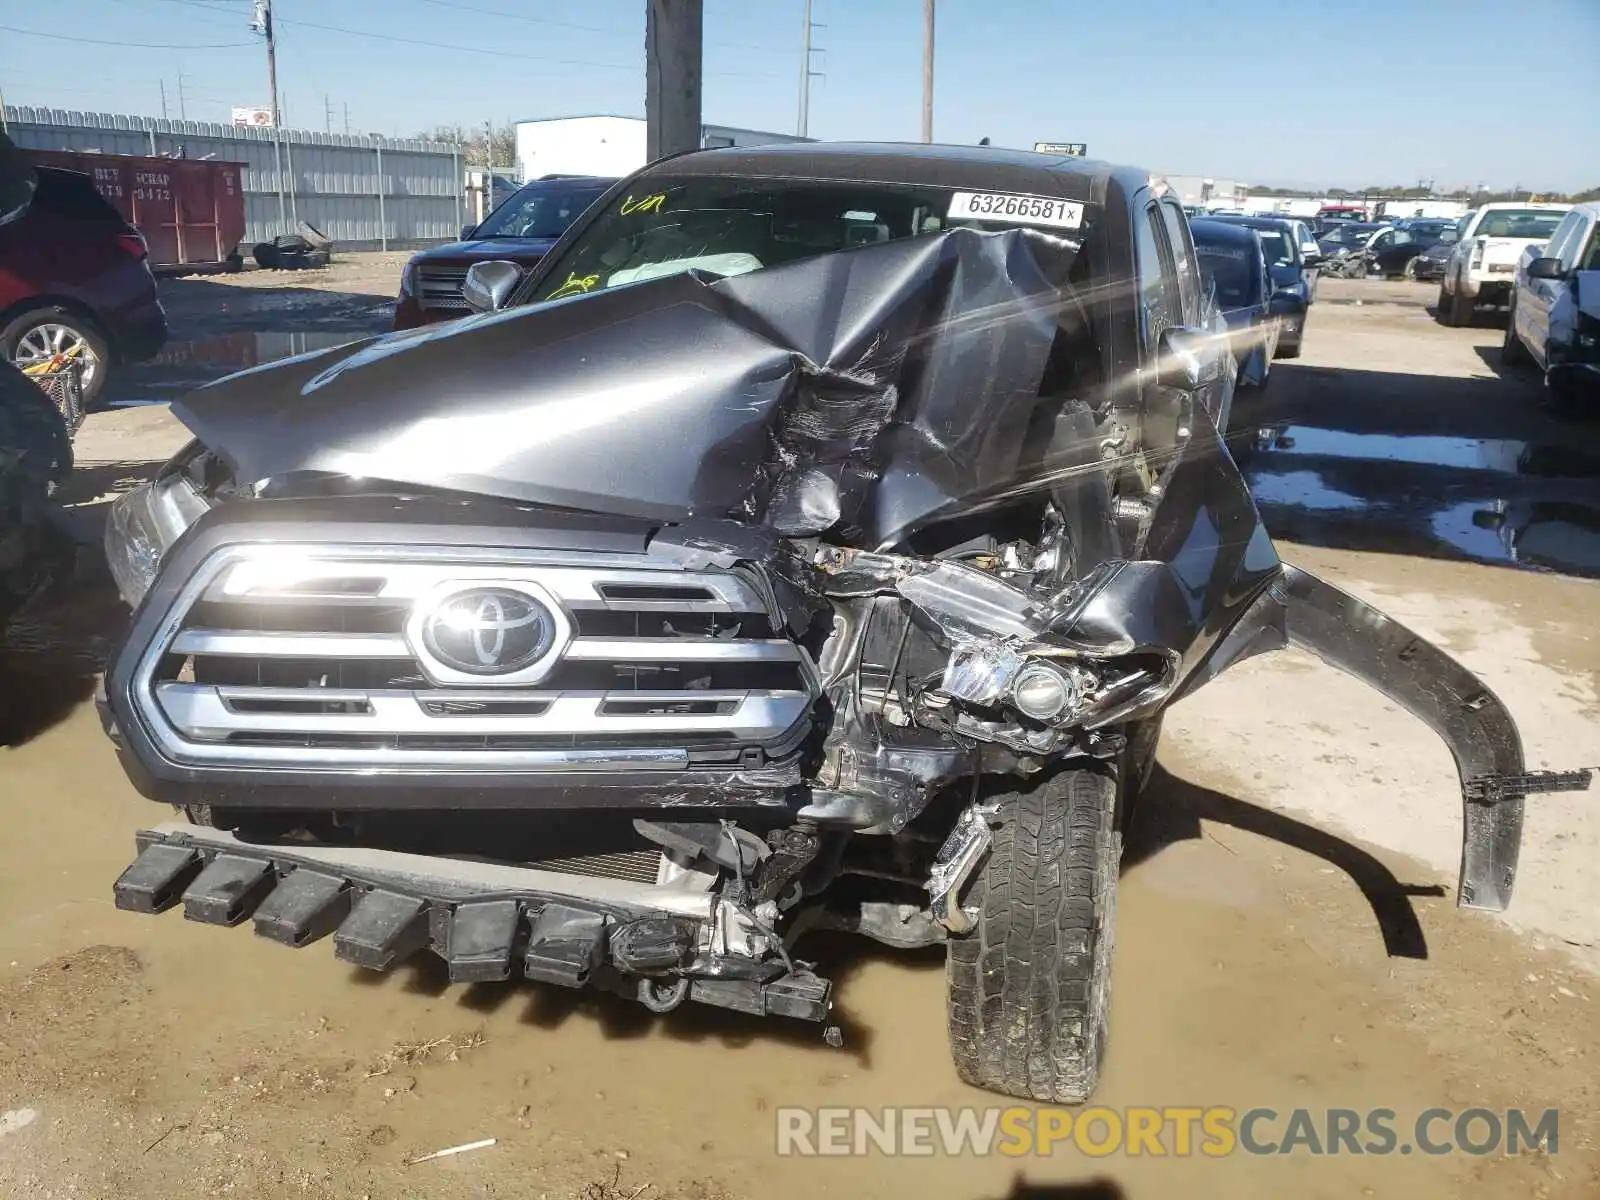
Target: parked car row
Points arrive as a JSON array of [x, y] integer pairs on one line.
[[1263, 273]]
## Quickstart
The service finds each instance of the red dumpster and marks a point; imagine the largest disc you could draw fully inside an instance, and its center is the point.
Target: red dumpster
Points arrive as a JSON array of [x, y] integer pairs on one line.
[[191, 211]]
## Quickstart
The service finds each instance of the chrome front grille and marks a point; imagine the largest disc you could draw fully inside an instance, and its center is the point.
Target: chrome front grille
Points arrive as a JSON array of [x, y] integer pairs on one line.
[[311, 657], [441, 287]]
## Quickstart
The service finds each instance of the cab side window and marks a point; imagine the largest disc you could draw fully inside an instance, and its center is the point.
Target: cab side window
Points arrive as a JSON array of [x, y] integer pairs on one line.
[[1563, 243], [1160, 300], [1184, 261]]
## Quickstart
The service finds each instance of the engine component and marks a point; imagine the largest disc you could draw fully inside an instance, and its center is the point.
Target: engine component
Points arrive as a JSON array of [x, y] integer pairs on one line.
[[962, 854]]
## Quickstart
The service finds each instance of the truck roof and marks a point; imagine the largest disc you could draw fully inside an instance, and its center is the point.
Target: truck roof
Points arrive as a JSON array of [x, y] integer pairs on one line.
[[1554, 206], [1081, 179]]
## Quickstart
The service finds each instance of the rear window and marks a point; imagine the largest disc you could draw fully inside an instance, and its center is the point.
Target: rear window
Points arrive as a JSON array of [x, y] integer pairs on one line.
[[731, 226], [1520, 223], [1231, 270], [71, 195]]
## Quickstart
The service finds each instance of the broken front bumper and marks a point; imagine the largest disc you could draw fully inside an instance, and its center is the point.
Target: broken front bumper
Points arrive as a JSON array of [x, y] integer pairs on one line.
[[658, 943]]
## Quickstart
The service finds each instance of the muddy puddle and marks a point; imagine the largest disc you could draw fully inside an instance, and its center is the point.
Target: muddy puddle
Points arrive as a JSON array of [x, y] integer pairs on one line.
[[189, 363], [1500, 500]]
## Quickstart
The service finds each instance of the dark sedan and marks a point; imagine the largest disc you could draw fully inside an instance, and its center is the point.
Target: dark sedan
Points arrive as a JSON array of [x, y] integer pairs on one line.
[[1233, 263], [521, 230], [1430, 264], [1291, 273], [1394, 251]]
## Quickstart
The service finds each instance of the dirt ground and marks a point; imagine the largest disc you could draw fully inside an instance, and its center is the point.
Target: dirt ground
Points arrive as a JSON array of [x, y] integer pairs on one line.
[[1287, 932]]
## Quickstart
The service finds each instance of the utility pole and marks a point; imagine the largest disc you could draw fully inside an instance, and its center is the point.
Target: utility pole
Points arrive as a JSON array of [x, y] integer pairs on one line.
[[674, 35], [327, 110], [806, 73], [347, 118], [488, 146], [927, 70], [163, 84], [183, 108], [262, 24]]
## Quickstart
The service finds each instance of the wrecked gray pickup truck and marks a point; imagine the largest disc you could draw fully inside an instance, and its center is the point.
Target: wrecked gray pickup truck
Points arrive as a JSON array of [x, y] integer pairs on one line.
[[814, 542]]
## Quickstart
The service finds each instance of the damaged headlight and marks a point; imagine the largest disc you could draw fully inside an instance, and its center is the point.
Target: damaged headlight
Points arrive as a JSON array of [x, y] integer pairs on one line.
[[143, 525], [1044, 693]]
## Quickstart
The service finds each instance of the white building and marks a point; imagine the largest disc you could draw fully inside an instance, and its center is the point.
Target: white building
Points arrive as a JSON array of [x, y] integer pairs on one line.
[[609, 145]]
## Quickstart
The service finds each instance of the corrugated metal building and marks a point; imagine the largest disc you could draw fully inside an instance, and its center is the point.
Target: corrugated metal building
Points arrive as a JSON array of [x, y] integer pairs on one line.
[[360, 191]]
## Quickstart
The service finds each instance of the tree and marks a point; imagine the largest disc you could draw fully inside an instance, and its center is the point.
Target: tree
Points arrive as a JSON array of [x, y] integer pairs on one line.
[[472, 142]]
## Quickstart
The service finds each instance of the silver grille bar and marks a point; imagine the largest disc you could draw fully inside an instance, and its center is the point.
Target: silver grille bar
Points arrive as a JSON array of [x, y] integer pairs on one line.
[[277, 583], [203, 711], [683, 650], [278, 644]]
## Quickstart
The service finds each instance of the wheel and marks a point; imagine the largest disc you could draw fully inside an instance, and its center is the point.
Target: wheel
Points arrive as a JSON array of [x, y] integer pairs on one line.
[[1410, 271], [1512, 352], [1029, 989], [1441, 306], [38, 336], [1460, 311], [1290, 351]]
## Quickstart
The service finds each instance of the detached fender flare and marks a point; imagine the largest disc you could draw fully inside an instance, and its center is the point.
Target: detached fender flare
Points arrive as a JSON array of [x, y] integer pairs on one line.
[[1301, 610]]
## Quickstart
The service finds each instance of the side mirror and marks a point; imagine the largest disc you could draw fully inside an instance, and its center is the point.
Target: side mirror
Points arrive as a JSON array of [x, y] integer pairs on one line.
[[489, 284], [467, 231], [1546, 268], [1181, 358]]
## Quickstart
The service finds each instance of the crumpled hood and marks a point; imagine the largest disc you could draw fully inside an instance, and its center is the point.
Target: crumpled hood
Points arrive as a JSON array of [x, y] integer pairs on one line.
[[870, 388]]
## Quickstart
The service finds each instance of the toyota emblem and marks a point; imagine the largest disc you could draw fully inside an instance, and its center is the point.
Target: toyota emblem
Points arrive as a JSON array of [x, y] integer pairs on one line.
[[488, 631]]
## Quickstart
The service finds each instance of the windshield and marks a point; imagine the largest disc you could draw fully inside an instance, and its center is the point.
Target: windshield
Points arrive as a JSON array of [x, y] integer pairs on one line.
[[1229, 268], [1276, 244], [1520, 223], [541, 210], [731, 226]]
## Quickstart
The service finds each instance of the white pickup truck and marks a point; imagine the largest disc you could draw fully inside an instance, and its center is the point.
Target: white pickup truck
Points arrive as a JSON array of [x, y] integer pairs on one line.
[[1483, 263]]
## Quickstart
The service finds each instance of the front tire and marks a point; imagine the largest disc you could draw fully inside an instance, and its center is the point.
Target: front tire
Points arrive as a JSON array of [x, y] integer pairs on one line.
[[1029, 989], [1512, 352], [1461, 308]]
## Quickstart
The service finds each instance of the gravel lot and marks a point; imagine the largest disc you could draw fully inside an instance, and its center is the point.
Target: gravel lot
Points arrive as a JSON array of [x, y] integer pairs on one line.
[[1287, 931]]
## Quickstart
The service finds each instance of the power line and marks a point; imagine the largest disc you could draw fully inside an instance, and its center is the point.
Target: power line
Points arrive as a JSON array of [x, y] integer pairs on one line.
[[433, 45], [63, 37], [511, 16]]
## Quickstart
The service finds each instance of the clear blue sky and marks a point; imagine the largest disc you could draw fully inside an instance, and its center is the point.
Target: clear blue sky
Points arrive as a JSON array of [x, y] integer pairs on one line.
[[1316, 92]]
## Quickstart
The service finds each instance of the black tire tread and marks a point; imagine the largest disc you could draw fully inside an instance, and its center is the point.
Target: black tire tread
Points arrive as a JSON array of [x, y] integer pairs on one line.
[[1029, 988], [1512, 352]]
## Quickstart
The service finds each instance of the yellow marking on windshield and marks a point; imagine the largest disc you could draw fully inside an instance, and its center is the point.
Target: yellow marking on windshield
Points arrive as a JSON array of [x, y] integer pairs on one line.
[[646, 204], [575, 285]]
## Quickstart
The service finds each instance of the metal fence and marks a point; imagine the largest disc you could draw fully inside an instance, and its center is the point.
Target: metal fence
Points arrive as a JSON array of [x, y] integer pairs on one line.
[[363, 192]]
